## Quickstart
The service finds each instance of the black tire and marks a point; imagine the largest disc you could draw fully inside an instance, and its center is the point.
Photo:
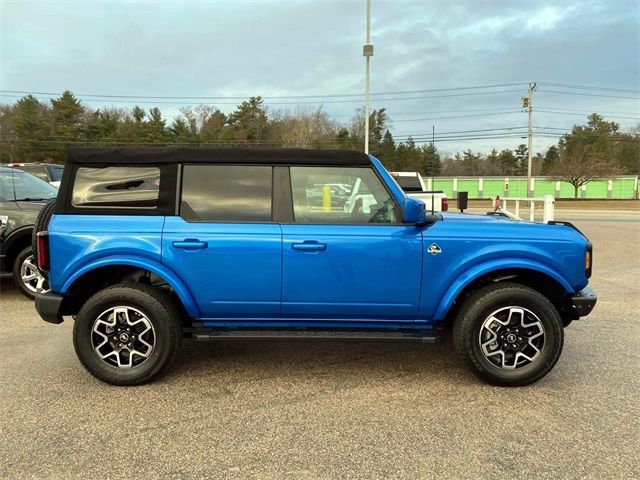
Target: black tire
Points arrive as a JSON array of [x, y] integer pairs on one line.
[[42, 223], [17, 274], [161, 313], [488, 300]]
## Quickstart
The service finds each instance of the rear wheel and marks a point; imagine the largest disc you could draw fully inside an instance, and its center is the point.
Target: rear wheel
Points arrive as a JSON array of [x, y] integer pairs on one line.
[[127, 334], [26, 275], [509, 334]]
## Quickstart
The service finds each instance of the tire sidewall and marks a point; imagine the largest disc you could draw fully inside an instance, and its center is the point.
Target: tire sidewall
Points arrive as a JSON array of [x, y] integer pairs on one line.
[[551, 323], [161, 354]]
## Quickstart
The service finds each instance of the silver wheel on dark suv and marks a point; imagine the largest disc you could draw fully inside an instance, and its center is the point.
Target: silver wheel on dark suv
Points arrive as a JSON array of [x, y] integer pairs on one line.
[[26, 275]]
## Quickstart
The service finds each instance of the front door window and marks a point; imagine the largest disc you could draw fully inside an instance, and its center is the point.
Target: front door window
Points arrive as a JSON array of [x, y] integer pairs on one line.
[[338, 195]]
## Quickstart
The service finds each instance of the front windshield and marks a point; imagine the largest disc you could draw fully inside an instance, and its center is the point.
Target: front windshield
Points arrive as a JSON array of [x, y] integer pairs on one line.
[[26, 187]]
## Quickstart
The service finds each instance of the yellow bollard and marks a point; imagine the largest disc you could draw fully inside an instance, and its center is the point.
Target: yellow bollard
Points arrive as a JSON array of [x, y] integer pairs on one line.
[[326, 198]]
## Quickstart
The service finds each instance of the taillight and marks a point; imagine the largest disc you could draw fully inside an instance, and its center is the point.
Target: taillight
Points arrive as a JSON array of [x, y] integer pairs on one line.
[[445, 204], [588, 260], [42, 246]]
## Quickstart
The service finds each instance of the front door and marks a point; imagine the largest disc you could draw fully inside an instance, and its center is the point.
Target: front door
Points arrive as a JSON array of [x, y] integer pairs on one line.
[[347, 256], [224, 244]]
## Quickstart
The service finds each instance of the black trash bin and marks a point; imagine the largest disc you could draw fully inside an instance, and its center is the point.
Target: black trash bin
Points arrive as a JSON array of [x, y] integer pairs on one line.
[[463, 201]]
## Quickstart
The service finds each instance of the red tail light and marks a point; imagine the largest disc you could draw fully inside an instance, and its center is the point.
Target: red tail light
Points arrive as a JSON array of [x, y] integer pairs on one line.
[[42, 246], [445, 204]]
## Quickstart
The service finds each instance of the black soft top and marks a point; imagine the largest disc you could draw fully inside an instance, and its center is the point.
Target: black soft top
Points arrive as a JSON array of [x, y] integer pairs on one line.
[[156, 155]]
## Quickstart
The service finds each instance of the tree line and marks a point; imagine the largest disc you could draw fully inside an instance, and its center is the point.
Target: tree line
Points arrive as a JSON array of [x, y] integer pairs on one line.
[[31, 130]]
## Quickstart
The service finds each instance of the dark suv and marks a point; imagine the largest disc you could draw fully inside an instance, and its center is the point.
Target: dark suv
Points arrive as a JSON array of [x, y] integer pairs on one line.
[[49, 172], [147, 245], [22, 196]]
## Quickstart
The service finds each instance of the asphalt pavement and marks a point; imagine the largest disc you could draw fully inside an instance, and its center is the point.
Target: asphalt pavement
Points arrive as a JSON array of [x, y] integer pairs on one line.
[[334, 410]]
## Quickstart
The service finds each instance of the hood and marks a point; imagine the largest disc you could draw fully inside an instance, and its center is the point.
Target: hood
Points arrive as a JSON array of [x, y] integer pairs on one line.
[[478, 225]]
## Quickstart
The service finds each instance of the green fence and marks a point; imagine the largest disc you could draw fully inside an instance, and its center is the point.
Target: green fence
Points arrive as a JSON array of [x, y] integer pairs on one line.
[[488, 187]]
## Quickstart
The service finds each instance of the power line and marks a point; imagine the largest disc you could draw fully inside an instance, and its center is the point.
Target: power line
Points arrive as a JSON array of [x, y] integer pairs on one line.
[[455, 116], [586, 87], [589, 94], [582, 114], [394, 99], [236, 97]]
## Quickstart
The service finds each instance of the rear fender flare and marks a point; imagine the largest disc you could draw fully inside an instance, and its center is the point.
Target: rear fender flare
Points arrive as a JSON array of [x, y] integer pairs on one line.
[[486, 268], [154, 267]]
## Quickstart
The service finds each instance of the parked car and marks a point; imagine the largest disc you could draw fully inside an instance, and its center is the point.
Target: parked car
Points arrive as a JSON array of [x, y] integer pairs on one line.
[[145, 246], [49, 172], [22, 196], [413, 185]]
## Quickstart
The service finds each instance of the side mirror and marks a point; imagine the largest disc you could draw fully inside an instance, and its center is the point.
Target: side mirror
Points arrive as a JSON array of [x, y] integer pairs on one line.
[[413, 211]]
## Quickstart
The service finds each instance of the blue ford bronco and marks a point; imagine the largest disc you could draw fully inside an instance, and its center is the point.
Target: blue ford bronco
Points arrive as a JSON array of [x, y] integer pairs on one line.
[[146, 246]]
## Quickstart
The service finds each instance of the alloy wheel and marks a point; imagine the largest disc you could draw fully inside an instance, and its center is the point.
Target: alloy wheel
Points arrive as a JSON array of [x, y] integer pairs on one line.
[[512, 337], [123, 337], [31, 277]]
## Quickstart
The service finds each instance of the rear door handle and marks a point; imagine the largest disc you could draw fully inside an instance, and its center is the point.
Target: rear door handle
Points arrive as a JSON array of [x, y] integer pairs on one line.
[[190, 244], [309, 246]]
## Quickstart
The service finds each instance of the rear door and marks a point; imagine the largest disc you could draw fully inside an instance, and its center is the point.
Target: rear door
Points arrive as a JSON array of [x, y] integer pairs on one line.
[[352, 261], [224, 243]]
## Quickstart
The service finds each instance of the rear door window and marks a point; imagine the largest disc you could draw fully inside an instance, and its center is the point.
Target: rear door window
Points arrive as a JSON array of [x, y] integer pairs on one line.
[[116, 187], [227, 193]]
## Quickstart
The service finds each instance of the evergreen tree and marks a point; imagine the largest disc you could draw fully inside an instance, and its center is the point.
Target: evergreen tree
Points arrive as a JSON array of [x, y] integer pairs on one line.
[[508, 163], [522, 159], [387, 153], [250, 121], [183, 132], [67, 116], [550, 159], [409, 157], [432, 161], [471, 163], [155, 130], [31, 127]]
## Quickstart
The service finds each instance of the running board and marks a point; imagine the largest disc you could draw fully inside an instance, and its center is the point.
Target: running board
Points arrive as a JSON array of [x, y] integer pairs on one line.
[[204, 335]]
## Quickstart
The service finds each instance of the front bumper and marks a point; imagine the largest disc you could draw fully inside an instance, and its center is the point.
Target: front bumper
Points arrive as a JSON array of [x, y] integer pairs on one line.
[[584, 301], [49, 306]]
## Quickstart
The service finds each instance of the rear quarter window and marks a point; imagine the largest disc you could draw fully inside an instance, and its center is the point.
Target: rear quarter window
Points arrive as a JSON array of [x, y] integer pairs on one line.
[[116, 187]]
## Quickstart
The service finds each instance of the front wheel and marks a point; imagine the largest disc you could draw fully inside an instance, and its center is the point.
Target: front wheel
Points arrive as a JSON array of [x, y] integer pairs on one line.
[[127, 334], [509, 334]]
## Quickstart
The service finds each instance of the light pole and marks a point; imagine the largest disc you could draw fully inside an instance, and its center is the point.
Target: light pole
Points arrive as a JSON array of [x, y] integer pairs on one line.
[[367, 52], [527, 103]]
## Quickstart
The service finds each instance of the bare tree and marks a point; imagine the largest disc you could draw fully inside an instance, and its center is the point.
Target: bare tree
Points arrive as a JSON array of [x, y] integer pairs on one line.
[[305, 127], [582, 164]]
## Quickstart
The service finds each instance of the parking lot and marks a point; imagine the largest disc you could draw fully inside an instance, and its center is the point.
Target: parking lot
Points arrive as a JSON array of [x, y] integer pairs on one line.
[[335, 410]]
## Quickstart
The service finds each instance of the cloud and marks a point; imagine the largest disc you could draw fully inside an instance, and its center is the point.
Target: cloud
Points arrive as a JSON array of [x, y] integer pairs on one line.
[[302, 48]]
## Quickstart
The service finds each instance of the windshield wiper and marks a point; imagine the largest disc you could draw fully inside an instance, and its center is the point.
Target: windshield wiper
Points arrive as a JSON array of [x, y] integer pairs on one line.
[[31, 199]]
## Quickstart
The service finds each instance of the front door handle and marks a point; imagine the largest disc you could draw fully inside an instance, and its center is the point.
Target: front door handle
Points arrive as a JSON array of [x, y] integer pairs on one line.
[[190, 244], [309, 246]]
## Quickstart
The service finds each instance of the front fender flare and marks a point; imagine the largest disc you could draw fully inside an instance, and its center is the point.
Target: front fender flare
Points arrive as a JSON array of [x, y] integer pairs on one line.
[[154, 267], [478, 271]]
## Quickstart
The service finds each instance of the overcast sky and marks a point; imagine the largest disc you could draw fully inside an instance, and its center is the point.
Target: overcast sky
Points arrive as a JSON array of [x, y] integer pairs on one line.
[[269, 48]]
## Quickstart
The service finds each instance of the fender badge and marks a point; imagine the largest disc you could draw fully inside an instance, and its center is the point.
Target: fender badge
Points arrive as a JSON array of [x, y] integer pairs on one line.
[[434, 249]]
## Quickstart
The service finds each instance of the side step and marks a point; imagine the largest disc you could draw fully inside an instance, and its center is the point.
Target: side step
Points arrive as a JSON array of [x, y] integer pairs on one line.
[[423, 336]]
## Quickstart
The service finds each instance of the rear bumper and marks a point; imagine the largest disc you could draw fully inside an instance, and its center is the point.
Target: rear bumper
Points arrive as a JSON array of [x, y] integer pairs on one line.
[[49, 307], [584, 301]]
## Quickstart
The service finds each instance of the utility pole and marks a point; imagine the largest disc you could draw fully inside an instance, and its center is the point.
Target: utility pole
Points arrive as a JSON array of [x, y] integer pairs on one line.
[[367, 52], [527, 103]]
